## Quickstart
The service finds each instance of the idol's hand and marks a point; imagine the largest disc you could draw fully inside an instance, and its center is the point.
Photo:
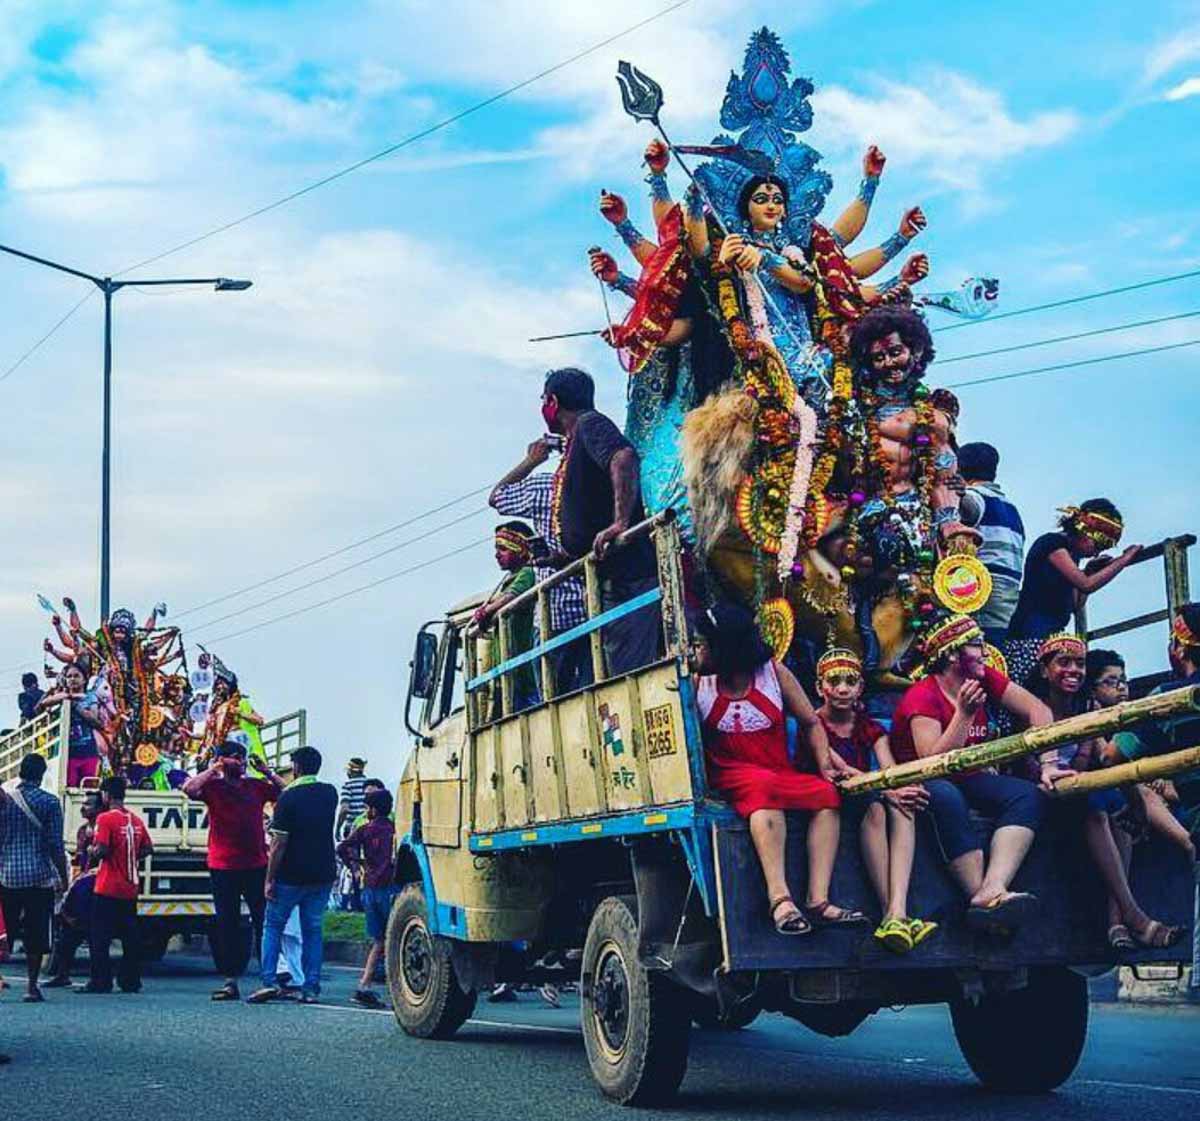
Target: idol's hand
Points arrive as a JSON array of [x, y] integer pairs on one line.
[[603, 265], [913, 222], [658, 155], [915, 269], [749, 258], [730, 248], [613, 208], [873, 161], [606, 336]]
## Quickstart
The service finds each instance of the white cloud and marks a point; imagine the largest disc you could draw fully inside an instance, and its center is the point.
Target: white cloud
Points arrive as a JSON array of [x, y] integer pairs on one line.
[[1183, 46], [951, 127], [1189, 87]]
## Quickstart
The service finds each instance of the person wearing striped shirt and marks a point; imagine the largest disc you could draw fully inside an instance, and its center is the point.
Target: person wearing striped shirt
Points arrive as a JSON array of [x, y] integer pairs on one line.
[[987, 508], [354, 795]]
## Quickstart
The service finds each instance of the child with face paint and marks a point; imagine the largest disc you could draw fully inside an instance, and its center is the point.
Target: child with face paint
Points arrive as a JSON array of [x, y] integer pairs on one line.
[[1062, 667], [888, 821]]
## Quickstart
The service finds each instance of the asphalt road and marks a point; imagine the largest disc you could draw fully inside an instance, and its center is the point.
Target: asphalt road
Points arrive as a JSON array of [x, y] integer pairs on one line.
[[169, 1052]]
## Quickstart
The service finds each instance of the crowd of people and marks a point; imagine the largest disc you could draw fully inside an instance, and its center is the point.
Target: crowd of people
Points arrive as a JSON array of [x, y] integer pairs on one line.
[[271, 849]]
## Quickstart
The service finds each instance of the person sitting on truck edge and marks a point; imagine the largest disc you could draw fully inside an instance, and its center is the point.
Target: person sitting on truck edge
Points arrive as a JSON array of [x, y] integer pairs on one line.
[[352, 802], [83, 755], [122, 842], [515, 545], [1150, 803], [301, 869], [888, 828], [985, 507], [237, 852], [1160, 736], [744, 698], [33, 862], [370, 846], [1062, 667], [31, 693], [524, 493], [597, 497], [946, 710], [1054, 583]]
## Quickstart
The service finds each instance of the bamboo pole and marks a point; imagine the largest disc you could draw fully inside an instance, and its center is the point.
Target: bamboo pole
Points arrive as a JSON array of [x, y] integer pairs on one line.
[[1138, 770], [1087, 725]]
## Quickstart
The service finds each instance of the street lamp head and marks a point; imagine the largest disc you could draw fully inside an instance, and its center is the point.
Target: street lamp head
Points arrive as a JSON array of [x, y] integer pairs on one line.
[[227, 285]]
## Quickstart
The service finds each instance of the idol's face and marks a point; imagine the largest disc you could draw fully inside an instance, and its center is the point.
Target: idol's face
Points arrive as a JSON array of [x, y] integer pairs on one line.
[[766, 207], [891, 360]]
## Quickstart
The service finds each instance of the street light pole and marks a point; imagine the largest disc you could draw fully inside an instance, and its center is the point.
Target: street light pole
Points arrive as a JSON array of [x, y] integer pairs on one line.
[[110, 287]]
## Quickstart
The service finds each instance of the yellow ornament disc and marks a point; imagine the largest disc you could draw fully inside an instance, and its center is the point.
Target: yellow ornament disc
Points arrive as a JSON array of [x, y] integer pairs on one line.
[[962, 583], [777, 623], [993, 658], [154, 718], [146, 755]]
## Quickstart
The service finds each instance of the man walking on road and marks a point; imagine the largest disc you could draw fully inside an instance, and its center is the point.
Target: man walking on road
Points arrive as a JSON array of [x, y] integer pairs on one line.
[[301, 869], [237, 852], [33, 863], [122, 842]]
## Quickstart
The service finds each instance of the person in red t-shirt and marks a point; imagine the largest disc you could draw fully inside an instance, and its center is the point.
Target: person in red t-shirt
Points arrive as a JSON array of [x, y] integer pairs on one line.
[[237, 851], [888, 828], [120, 845], [947, 710]]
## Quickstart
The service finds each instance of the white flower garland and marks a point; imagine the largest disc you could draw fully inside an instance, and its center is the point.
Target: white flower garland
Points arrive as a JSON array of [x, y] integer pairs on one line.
[[798, 495]]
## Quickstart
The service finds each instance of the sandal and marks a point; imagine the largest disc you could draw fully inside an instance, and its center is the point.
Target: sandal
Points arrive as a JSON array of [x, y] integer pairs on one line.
[[1120, 939], [1157, 935], [895, 935], [1007, 910], [920, 929], [793, 924], [228, 991], [830, 914]]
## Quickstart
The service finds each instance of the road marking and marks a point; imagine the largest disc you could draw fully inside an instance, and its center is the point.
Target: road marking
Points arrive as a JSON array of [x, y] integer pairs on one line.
[[1135, 1086], [478, 1023]]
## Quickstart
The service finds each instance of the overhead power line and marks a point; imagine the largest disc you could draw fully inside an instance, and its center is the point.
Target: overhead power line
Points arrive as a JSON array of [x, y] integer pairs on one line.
[[1075, 365], [1067, 338], [340, 571], [411, 139], [329, 556], [48, 335], [354, 591], [1072, 300]]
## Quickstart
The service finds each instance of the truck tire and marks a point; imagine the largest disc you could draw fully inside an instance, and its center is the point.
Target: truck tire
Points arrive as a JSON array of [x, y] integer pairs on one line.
[[1027, 1041], [427, 999], [636, 1024]]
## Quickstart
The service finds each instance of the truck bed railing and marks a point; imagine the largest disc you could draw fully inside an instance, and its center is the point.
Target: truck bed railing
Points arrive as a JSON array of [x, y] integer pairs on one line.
[[46, 734], [664, 535]]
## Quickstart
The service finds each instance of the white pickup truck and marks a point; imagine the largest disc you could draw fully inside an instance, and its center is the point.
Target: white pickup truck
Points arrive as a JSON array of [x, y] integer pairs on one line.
[[175, 896]]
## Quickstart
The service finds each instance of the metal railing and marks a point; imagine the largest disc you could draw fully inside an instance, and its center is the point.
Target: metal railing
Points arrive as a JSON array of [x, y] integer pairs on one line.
[[281, 736], [46, 734], [1174, 554], [664, 534]]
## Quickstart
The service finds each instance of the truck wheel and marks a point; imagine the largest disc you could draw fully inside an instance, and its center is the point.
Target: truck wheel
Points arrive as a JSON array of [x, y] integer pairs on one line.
[[426, 996], [1027, 1041], [636, 1024]]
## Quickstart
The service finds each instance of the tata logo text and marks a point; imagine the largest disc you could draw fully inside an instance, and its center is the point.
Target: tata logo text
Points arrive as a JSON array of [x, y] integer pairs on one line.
[[171, 817]]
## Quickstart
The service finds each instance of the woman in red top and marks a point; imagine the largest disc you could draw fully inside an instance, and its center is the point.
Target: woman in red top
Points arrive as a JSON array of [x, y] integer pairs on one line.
[[889, 830], [946, 710], [742, 706]]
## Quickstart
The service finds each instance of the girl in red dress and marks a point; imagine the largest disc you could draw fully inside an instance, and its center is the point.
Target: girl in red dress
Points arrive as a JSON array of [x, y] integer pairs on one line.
[[742, 707]]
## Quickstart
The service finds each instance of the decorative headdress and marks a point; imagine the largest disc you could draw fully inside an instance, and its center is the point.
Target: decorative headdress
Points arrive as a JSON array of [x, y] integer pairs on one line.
[[952, 633], [838, 660], [769, 108], [1182, 633], [124, 618], [221, 672], [514, 542], [1063, 643], [1100, 528]]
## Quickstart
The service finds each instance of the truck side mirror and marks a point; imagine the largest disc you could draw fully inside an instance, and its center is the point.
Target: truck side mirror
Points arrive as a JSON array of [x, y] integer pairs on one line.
[[423, 666]]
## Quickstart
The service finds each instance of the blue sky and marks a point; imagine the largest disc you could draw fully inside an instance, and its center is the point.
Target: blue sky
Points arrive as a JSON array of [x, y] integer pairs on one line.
[[379, 365]]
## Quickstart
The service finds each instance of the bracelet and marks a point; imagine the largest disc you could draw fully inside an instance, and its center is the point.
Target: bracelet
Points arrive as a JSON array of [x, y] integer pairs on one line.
[[888, 285], [867, 189], [659, 191], [625, 284], [773, 260], [628, 232], [693, 203], [894, 245]]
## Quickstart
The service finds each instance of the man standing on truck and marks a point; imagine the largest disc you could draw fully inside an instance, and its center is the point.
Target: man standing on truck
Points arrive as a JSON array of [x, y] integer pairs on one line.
[[237, 851], [597, 497], [33, 863], [301, 869], [122, 843], [522, 493]]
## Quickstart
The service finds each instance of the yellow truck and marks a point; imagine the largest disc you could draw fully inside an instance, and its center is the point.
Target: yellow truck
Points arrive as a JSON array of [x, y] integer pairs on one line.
[[175, 894], [579, 839]]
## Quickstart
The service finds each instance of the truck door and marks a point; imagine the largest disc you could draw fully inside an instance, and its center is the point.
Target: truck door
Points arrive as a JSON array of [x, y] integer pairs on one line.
[[440, 753]]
